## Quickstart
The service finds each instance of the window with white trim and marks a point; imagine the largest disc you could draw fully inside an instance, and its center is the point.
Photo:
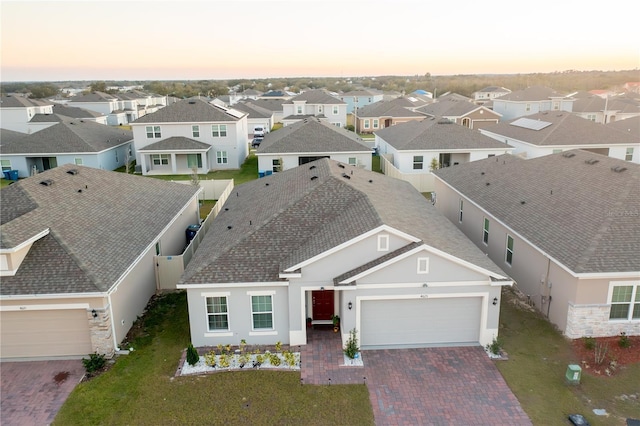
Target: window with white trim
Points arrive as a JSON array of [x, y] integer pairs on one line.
[[366, 124], [509, 251], [335, 110], [556, 106], [195, 131], [276, 165], [625, 302], [299, 109], [383, 243], [591, 117], [527, 107], [6, 165], [194, 160], [262, 312], [376, 123], [160, 159], [423, 265], [221, 157], [77, 161], [153, 132], [319, 109], [485, 231], [353, 161], [628, 156], [219, 130], [217, 313], [418, 162], [460, 215]]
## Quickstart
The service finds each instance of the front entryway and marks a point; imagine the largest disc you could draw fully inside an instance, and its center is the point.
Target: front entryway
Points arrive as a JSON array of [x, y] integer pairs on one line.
[[322, 305]]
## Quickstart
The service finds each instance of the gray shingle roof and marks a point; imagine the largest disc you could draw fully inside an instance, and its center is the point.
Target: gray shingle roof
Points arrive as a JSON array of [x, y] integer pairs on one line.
[[493, 89], [312, 135], [69, 135], [10, 137], [565, 129], [316, 97], [274, 105], [586, 102], [176, 143], [253, 110], [68, 111], [630, 126], [275, 222], [95, 235], [584, 215], [94, 97], [436, 133], [189, 111], [13, 101], [387, 109], [532, 93], [449, 108]]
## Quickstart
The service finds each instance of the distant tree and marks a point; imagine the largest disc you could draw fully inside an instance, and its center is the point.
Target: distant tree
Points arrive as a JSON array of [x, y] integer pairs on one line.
[[46, 90], [98, 86]]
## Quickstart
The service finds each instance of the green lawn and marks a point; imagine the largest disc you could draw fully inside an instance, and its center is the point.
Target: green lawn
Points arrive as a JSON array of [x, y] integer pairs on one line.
[[538, 359], [140, 388]]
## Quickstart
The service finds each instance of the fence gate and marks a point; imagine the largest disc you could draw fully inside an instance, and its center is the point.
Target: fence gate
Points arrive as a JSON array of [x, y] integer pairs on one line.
[[168, 271]]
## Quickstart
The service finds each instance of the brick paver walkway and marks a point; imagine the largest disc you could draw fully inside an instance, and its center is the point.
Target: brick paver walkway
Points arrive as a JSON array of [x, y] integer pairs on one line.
[[429, 386], [33, 392]]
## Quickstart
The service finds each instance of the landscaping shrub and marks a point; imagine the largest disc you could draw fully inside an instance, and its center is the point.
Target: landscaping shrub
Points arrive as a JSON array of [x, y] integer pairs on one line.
[[351, 347], [192, 355], [495, 346], [94, 363], [589, 343], [624, 341]]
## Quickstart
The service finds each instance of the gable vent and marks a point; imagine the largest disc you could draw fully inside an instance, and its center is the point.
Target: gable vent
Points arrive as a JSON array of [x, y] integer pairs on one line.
[[591, 161], [618, 169], [568, 154], [46, 182], [73, 172]]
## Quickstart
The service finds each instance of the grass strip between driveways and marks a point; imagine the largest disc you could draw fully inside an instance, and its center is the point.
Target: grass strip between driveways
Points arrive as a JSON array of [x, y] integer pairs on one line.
[[140, 389], [538, 360]]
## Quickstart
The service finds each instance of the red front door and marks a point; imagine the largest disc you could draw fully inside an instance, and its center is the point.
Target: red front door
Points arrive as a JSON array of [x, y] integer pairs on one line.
[[322, 304]]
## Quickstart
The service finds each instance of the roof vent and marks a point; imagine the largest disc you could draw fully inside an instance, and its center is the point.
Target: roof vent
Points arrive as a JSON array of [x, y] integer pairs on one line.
[[312, 167], [314, 177], [568, 154], [46, 182], [73, 172], [341, 166], [370, 180], [346, 176], [591, 161], [192, 102], [618, 169], [79, 190], [523, 202], [266, 184], [226, 209], [482, 173], [229, 227], [488, 183]]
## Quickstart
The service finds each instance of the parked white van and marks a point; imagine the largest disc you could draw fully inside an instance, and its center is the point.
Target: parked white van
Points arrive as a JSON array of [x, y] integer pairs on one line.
[[258, 131]]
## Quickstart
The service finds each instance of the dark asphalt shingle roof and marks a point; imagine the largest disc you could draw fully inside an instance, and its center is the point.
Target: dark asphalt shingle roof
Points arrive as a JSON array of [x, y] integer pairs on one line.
[[312, 135], [253, 110], [387, 109], [9, 137], [67, 136], [532, 93], [274, 223], [189, 111], [565, 129], [314, 97], [584, 215], [94, 97], [630, 126], [95, 234], [436, 133], [14, 101], [175, 143]]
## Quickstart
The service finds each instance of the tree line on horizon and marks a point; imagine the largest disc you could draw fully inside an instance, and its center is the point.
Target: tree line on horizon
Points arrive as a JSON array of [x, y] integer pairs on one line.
[[566, 81]]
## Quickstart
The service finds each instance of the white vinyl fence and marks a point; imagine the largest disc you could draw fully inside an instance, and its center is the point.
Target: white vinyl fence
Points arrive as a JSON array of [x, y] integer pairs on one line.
[[423, 182]]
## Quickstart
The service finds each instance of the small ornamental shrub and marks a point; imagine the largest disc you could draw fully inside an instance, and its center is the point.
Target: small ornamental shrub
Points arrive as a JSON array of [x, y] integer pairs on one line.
[[274, 360], [94, 363], [192, 355], [351, 347], [624, 341], [495, 346], [210, 358], [589, 343]]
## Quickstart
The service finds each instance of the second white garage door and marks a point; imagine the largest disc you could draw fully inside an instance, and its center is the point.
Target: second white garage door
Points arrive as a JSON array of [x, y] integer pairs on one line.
[[420, 322]]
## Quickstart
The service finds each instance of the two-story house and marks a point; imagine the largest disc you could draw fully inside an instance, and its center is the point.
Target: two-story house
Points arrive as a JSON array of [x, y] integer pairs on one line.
[[360, 98], [461, 110], [606, 109], [315, 103], [489, 93], [190, 134], [16, 112], [531, 100]]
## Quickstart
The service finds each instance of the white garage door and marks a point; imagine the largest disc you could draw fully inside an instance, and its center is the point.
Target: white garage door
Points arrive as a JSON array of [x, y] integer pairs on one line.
[[420, 322], [26, 334]]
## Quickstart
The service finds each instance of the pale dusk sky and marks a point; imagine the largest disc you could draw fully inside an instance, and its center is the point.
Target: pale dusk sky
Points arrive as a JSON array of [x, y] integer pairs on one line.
[[188, 40]]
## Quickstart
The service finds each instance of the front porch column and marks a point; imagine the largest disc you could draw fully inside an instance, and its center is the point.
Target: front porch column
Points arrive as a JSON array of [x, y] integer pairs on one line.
[[174, 165], [143, 163]]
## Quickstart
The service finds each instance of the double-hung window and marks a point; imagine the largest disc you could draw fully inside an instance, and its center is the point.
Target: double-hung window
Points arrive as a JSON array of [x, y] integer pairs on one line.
[[418, 161], [221, 157], [335, 110], [6, 165], [160, 159], [629, 154], [219, 130], [509, 251], [262, 312], [217, 313], [376, 123], [485, 231], [625, 301], [153, 132], [195, 131], [366, 124]]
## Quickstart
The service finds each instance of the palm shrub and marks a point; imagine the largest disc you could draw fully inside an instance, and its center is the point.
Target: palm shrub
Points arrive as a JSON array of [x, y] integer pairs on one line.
[[94, 363], [192, 355]]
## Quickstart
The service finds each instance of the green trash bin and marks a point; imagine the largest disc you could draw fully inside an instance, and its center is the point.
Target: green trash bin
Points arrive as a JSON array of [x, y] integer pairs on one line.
[[573, 374]]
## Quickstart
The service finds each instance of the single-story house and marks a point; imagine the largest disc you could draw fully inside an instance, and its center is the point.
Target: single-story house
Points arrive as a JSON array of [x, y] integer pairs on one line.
[[77, 257], [309, 140], [68, 141], [383, 114], [298, 247], [564, 226], [552, 132], [413, 150]]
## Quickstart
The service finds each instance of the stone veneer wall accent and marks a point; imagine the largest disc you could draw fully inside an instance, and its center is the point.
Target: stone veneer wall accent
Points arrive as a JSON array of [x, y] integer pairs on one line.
[[593, 321], [101, 333]]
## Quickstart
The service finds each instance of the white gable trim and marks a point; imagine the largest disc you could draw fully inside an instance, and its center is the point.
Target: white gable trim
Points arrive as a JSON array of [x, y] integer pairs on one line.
[[25, 243], [381, 228], [423, 248], [232, 285]]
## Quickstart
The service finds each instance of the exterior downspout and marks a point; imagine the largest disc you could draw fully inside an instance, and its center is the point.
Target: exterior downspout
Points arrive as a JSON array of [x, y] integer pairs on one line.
[[113, 326], [548, 286]]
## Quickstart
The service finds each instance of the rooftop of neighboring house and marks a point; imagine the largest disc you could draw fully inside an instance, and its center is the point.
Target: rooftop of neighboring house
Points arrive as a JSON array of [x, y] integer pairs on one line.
[[556, 128], [192, 110], [578, 207], [493, 89], [9, 137], [18, 101], [451, 107], [67, 111], [69, 135], [630, 126], [361, 93], [531, 94], [174, 143], [88, 226], [94, 97], [274, 223], [396, 108], [317, 96], [252, 109], [251, 92], [587, 102], [312, 135], [436, 133], [274, 105]]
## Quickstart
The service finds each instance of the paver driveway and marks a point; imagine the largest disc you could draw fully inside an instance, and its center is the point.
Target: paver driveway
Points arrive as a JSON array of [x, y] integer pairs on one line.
[[32, 392], [428, 386]]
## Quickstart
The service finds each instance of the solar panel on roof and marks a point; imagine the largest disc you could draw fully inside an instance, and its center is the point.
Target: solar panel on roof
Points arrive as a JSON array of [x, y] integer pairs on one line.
[[235, 113], [527, 123]]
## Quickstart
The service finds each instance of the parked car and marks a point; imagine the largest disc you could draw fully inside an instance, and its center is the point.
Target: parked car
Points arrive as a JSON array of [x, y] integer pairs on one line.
[[258, 131], [256, 142]]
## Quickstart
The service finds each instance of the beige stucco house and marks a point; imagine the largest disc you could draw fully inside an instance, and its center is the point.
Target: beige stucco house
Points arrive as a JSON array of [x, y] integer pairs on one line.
[[77, 253], [564, 226]]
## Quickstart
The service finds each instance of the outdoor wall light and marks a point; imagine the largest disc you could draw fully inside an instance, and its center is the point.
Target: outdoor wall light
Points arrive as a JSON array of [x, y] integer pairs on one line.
[[94, 313], [350, 305], [495, 301], [322, 288]]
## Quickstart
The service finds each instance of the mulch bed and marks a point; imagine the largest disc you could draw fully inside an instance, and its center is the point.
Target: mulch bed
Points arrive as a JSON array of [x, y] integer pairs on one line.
[[616, 356]]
